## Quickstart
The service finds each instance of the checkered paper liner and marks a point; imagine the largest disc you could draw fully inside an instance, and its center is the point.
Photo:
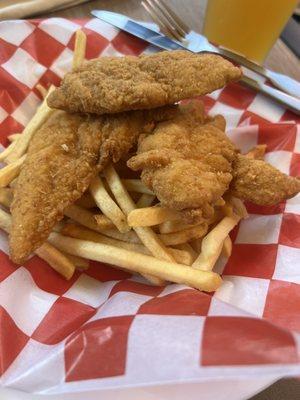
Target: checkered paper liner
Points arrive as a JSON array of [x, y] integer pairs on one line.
[[107, 329]]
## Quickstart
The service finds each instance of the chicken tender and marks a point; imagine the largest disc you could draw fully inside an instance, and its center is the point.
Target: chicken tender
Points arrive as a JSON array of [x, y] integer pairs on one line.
[[120, 133], [116, 84], [61, 162], [261, 183], [187, 161], [63, 157]]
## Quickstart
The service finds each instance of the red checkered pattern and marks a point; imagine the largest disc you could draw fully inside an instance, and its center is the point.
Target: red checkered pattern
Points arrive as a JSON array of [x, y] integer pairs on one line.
[[105, 328]]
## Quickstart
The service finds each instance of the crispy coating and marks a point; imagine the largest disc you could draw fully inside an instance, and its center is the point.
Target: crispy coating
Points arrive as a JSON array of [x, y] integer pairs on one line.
[[261, 183], [187, 161], [120, 134], [60, 164], [116, 84], [63, 157]]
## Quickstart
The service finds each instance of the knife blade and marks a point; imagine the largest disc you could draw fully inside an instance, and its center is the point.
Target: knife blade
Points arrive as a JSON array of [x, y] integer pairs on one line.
[[128, 25], [157, 39]]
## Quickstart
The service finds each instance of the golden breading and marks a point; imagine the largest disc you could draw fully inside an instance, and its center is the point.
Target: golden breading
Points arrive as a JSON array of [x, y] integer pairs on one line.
[[63, 157], [115, 84], [260, 183], [187, 161], [60, 164]]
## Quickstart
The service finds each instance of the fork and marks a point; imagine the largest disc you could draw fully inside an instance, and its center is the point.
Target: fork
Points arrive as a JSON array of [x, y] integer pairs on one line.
[[165, 17]]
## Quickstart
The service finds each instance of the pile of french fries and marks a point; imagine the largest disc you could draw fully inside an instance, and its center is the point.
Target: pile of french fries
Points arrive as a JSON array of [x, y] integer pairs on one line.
[[120, 221]]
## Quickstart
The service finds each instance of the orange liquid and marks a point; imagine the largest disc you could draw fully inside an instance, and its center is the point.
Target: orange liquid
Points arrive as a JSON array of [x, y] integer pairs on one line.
[[249, 27]]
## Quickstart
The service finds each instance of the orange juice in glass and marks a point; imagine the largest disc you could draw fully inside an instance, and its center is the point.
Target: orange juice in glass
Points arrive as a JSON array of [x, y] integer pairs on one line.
[[249, 27]]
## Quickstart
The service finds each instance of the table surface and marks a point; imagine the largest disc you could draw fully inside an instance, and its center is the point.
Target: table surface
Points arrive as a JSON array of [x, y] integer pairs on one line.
[[280, 59]]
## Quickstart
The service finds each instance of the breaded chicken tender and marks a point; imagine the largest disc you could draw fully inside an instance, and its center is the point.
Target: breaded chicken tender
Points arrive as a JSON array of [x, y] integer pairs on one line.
[[121, 132], [261, 183], [115, 84], [63, 157], [187, 161], [60, 164]]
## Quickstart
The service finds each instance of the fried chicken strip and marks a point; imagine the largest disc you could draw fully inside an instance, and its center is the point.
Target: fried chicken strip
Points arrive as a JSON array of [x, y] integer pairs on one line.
[[115, 84], [261, 183], [63, 157], [187, 161]]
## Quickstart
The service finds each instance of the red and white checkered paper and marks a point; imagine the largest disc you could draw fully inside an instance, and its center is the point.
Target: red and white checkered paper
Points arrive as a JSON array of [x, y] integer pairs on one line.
[[107, 329]]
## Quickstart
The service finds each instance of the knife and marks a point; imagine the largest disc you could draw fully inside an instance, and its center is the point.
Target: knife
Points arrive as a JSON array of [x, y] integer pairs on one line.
[[157, 39]]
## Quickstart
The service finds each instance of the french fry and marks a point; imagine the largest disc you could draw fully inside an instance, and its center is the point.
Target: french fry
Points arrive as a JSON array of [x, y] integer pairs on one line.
[[86, 201], [16, 149], [227, 210], [257, 152], [172, 239], [11, 171], [42, 90], [82, 264], [130, 237], [8, 150], [143, 264], [239, 207], [78, 232], [174, 226], [47, 252], [145, 200], [79, 49], [136, 185], [212, 243], [107, 205], [145, 234], [13, 137], [227, 247], [150, 216], [86, 218], [6, 196], [181, 256], [57, 260], [187, 247]]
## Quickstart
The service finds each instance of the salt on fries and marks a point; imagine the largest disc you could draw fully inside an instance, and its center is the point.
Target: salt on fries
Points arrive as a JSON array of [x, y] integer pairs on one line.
[[136, 262], [47, 252], [108, 237]]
